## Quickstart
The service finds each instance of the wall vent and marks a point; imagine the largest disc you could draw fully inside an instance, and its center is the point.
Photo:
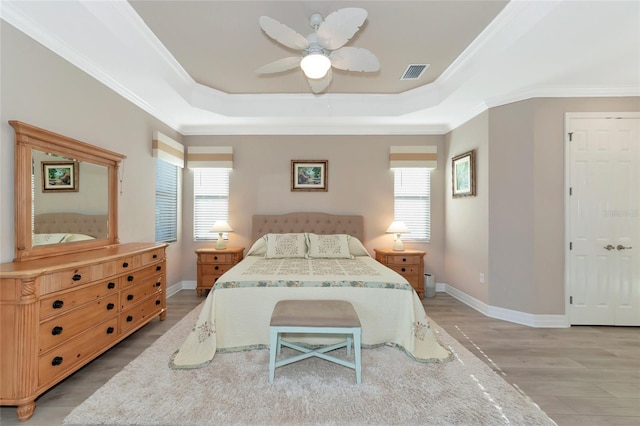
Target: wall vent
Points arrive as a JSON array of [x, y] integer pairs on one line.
[[414, 71]]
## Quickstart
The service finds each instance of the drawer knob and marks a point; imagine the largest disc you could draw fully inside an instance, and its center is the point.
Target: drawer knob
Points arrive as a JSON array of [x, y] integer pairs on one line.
[[215, 257], [58, 304], [129, 318], [158, 268], [130, 278], [110, 306], [404, 269], [56, 330], [56, 361], [155, 256], [158, 284], [110, 330], [125, 265], [216, 268], [158, 302], [111, 286], [404, 259], [129, 296], [76, 277]]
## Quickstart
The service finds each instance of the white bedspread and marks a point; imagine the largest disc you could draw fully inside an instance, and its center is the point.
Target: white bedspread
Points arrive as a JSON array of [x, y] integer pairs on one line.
[[236, 314]]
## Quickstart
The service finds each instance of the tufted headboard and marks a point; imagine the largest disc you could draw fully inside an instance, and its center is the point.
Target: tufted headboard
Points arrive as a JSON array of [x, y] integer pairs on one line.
[[318, 223], [94, 225]]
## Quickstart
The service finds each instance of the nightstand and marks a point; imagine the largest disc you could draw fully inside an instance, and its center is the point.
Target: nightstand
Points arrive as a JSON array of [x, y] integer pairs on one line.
[[212, 263], [408, 263]]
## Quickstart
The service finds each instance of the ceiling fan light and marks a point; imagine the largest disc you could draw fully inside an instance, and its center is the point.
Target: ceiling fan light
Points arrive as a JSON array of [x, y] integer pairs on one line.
[[315, 65]]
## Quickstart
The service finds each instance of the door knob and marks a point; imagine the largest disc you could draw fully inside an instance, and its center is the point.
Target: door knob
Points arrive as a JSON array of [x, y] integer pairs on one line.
[[609, 247], [621, 247]]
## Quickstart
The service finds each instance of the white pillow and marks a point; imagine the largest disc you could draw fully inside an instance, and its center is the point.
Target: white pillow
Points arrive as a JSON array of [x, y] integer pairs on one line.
[[286, 245], [356, 248], [77, 237], [259, 248], [328, 246]]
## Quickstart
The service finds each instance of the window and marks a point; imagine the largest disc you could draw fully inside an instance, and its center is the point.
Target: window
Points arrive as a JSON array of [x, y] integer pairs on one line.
[[166, 202], [211, 200], [412, 201]]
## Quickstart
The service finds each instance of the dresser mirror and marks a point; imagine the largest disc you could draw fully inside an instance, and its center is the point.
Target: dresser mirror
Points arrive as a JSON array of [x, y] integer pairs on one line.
[[65, 194]]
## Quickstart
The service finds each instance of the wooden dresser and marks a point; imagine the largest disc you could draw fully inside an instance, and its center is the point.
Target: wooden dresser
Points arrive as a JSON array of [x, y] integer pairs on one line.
[[408, 263], [212, 263], [59, 313]]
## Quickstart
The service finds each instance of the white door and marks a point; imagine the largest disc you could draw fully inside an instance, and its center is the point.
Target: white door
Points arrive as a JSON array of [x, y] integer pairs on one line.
[[603, 178]]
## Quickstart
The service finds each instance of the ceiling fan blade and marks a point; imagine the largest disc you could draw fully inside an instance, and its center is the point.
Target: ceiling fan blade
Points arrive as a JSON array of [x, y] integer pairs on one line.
[[280, 65], [354, 59], [340, 26], [283, 34], [320, 84]]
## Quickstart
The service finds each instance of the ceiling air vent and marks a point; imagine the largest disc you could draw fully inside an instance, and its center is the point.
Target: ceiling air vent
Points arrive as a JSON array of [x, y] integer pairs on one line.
[[414, 71]]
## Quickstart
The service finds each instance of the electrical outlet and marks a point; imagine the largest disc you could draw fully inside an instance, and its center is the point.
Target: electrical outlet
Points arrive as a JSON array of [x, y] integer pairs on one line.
[[481, 278]]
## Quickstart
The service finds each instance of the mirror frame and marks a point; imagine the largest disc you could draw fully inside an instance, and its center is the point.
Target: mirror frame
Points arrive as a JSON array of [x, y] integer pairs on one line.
[[28, 138]]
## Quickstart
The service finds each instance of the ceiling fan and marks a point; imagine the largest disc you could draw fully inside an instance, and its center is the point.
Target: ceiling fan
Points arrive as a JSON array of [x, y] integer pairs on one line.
[[323, 48]]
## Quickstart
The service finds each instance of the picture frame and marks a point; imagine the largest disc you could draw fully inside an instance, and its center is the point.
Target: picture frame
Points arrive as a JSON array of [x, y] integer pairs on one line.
[[60, 176], [309, 175], [463, 174]]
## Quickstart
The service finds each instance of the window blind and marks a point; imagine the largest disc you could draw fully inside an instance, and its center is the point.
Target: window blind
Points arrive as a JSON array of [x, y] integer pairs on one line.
[[166, 201], [211, 200], [412, 201]]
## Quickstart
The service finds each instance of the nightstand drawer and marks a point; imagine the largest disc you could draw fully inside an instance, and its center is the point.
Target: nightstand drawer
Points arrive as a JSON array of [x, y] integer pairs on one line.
[[405, 270], [217, 258], [393, 259], [216, 269]]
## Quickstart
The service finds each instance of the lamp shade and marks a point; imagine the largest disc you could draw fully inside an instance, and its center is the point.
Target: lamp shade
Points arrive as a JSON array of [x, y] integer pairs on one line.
[[315, 65], [397, 227], [221, 226]]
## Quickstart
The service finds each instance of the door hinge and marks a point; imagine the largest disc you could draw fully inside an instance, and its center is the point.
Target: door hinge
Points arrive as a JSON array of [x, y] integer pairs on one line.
[[570, 136], [570, 191], [571, 300], [570, 246]]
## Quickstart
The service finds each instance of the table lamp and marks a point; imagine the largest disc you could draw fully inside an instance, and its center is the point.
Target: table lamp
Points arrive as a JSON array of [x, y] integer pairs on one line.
[[221, 226], [397, 228]]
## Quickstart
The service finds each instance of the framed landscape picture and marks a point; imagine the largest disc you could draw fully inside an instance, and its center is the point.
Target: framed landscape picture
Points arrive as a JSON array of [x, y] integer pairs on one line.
[[464, 174], [309, 175], [60, 176]]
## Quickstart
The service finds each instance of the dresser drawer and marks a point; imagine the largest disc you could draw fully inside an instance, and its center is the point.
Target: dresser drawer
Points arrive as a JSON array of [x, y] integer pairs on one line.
[[63, 302], [152, 256], [394, 259], [75, 352], [61, 328], [128, 263], [138, 314], [132, 295], [136, 277], [67, 279]]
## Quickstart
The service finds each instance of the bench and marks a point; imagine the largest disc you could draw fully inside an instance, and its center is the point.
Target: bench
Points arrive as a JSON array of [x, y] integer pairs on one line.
[[315, 317]]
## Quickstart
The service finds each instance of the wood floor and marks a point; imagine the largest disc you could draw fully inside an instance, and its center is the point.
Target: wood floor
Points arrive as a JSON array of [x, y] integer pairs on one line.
[[579, 376]]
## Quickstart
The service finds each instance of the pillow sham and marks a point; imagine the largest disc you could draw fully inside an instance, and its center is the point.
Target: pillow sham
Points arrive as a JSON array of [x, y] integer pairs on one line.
[[286, 245], [259, 248], [356, 248], [335, 246], [77, 237]]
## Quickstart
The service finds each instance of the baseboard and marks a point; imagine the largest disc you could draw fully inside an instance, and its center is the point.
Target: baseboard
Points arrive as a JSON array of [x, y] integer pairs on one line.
[[531, 320], [182, 285]]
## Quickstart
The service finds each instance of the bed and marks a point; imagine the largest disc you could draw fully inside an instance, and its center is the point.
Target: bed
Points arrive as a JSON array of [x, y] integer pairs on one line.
[[67, 227], [308, 256]]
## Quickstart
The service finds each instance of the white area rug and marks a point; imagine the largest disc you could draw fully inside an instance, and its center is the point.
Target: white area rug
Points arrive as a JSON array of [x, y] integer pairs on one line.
[[235, 389]]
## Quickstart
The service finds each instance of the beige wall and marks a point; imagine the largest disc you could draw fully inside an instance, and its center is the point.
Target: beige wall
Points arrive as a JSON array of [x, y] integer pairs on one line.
[[40, 88], [525, 187], [359, 180], [466, 219]]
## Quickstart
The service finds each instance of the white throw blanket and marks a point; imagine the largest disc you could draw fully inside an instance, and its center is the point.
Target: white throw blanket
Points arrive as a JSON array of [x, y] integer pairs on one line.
[[237, 311]]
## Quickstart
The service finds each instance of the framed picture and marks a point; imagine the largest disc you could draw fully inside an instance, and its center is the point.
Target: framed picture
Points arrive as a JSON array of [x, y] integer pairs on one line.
[[309, 175], [463, 171], [60, 176]]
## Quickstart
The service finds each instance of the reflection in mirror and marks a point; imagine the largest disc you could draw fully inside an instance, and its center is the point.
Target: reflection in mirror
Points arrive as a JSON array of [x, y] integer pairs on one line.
[[69, 204]]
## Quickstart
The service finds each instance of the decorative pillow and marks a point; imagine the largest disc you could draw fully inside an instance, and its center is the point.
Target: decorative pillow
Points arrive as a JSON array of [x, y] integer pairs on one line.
[[356, 248], [286, 245], [328, 246], [259, 248]]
